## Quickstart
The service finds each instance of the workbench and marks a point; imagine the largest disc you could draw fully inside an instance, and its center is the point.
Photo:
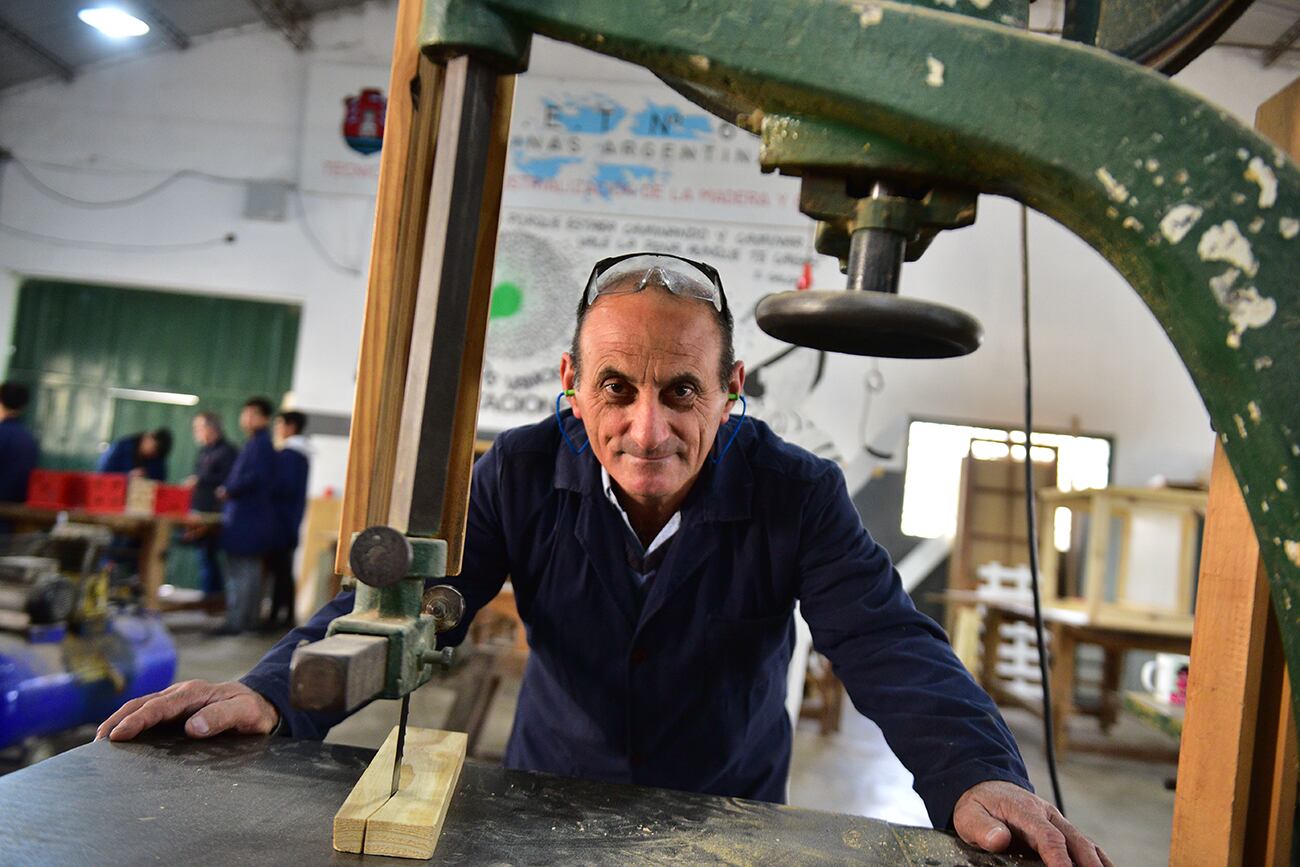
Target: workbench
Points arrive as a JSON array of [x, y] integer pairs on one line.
[[153, 531], [265, 801], [1068, 628]]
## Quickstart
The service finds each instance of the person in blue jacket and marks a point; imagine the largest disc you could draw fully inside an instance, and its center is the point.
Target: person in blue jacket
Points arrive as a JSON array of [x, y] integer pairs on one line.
[[247, 518], [657, 546], [211, 467], [143, 454], [289, 498], [18, 450]]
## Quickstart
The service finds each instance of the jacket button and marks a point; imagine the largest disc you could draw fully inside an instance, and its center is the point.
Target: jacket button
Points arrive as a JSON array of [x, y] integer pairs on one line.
[[639, 655]]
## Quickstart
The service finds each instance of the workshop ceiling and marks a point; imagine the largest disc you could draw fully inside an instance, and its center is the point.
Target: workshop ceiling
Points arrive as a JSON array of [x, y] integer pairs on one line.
[[45, 39]]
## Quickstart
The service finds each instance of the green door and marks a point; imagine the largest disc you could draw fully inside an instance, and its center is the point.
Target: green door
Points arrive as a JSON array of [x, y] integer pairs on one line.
[[104, 362]]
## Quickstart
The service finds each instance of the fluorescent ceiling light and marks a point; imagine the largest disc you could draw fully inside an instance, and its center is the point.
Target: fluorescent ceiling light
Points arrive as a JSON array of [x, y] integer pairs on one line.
[[175, 398], [113, 22]]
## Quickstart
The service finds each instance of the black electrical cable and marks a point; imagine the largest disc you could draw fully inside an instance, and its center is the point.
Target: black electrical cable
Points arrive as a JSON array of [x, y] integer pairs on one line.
[[1031, 515], [316, 243], [109, 247], [135, 198]]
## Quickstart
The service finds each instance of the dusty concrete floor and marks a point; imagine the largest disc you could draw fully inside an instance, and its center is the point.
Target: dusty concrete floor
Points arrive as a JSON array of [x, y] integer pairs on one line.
[[1122, 804]]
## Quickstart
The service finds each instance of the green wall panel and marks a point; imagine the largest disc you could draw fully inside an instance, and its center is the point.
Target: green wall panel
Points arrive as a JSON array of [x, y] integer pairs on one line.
[[87, 351], [78, 346]]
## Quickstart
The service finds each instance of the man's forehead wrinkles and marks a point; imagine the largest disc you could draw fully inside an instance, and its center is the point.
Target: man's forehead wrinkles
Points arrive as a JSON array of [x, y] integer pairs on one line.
[[612, 340], [640, 370]]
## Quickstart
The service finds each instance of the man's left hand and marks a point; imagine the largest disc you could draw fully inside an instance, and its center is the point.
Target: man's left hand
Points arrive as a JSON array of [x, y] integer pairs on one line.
[[992, 814]]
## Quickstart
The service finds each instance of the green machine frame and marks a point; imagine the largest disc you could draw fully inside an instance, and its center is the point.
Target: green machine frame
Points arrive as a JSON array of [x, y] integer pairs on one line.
[[1200, 214]]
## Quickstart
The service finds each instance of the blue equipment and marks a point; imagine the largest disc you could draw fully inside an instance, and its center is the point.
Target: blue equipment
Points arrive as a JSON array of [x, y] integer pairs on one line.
[[66, 658]]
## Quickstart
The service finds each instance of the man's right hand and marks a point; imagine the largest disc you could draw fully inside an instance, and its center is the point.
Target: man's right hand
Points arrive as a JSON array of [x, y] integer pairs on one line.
[[209, 709]]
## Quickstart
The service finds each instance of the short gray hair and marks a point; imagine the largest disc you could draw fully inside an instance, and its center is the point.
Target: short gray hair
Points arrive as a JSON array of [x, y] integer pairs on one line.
[[726, 328], [211, 419]]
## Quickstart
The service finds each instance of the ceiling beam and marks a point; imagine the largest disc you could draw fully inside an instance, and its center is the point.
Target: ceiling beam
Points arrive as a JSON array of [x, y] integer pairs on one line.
[[152, 16], [290, 17], [49, 58], [1285, 41]]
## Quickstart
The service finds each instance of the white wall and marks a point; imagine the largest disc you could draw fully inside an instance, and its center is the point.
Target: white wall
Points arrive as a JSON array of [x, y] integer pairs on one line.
[[231, 106]]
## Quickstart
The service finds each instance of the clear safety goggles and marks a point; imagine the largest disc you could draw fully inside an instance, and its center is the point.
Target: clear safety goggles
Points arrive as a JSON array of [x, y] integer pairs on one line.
[[632, 272]]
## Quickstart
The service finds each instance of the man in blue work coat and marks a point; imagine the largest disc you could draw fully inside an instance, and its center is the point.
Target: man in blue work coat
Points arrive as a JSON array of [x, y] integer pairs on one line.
[[211, 468], [247, 518], [289, 499], [18, 449], [657, 546], [143, 454]]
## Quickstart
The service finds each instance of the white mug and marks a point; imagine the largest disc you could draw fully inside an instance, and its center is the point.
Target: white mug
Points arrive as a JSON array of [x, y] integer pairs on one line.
[[1161, 678]]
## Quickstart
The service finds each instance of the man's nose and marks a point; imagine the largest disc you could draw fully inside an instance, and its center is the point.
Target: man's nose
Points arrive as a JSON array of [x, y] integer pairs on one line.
[[649, 427]]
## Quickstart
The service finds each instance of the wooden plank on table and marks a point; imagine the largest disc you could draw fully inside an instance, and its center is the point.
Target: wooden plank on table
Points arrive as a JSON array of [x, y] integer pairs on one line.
[[464, 443], [156, 539], [409, 255], [1094, 578], [1278, 118], [1269, 820], [380, 366], [407, 824], [320, 533], [1214, 765], [435, 448], [1237, 775]]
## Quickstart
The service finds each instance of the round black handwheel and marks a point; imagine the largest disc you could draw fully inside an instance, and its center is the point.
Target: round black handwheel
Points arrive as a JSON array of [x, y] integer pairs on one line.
[[869, 323], [380, 556]]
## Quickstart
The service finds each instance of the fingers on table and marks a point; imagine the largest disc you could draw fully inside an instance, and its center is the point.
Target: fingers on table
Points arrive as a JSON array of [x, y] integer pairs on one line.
[[1082, 850], [120, 714], [977, 826], [1057, 841], [175, 701], [239, 713]]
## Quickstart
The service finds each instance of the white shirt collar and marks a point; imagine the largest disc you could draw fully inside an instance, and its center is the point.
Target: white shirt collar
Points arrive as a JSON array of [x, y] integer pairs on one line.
[[673, 525], [298, 443]]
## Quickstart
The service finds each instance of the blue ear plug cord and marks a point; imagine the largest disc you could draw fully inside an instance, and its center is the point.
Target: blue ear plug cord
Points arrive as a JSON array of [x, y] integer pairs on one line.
[[568, 392]]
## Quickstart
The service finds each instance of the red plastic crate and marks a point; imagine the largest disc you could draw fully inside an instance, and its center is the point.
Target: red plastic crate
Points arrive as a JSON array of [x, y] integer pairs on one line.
[[106, 492], [172, 500], [55, 489]]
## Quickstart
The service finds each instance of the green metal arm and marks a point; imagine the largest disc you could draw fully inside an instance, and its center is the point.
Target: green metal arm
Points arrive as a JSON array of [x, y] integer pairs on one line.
[[1197, 212]]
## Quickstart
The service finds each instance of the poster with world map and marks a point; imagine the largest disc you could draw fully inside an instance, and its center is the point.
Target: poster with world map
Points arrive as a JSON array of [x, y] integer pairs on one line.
[[595, 170]]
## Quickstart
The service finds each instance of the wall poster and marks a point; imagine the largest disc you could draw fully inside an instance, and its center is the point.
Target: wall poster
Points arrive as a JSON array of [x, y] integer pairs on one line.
[[595, 170]]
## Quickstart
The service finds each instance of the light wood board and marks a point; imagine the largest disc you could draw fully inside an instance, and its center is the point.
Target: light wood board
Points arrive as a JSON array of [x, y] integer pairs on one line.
[[1230, 670], [405, 825], [405, 154]]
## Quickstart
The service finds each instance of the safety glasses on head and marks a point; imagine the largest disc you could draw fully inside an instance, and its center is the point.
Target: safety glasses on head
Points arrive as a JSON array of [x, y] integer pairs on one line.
[[623, 275]]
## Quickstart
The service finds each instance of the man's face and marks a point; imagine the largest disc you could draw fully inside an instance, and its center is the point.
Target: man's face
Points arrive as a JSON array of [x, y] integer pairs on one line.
[[649, 394], [203, 432], [148, 447], [251, 420], [281, 430]]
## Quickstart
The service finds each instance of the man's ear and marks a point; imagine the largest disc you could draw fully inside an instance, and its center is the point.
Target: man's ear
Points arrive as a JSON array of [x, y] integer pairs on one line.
[[735, 385], [569, 382]]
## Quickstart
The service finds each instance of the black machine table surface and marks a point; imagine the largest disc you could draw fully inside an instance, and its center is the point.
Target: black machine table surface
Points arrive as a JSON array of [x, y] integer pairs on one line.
[[242, 800]]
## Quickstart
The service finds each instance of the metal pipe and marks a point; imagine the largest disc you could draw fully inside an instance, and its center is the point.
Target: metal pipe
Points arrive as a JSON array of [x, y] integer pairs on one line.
[[875, 260]]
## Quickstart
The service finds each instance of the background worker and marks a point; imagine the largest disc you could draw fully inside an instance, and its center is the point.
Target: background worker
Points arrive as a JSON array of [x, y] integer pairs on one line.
[[211, 468], [247, 518], [18, 450], [289, 500], [142, 454]]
